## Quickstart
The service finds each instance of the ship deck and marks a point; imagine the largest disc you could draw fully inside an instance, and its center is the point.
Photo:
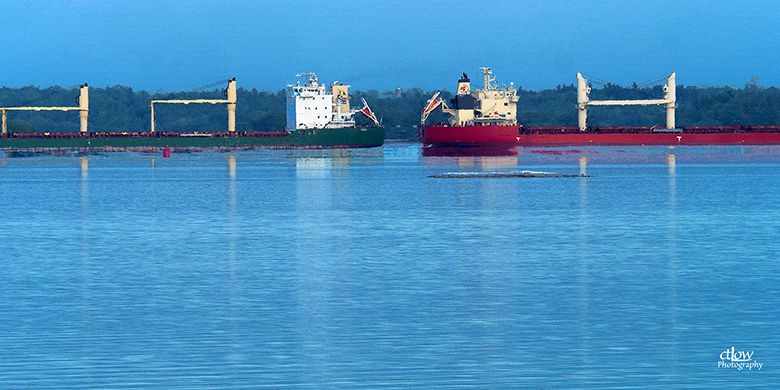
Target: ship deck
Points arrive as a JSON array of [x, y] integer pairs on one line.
[[647, 130]]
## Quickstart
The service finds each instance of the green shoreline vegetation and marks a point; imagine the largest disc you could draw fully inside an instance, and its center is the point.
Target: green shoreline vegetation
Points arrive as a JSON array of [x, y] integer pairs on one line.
[[121, 109]]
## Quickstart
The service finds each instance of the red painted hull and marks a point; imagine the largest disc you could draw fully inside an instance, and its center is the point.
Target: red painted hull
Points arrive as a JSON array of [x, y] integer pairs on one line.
[[520, 135]]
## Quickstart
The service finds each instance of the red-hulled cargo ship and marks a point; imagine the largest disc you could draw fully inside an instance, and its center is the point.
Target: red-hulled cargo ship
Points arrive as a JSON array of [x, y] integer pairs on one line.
[[488, 116], [442, 134]]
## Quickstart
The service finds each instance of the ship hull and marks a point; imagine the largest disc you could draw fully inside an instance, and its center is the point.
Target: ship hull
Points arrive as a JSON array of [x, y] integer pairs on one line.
[[300, 139], [727, 135]]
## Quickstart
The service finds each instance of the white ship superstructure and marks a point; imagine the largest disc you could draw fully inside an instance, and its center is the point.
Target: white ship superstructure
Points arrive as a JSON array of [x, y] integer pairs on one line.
[[315, 106], [489, 106]]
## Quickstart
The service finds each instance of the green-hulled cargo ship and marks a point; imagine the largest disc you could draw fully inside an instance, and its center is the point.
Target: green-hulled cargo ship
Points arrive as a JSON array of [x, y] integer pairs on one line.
[[352, 137], [317, 118]]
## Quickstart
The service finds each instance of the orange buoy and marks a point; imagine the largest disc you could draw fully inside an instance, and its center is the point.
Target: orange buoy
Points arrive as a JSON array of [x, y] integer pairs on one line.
[[166, 151]]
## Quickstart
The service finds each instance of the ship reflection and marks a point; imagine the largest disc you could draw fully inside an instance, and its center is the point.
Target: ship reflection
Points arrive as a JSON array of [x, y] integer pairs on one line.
[[84, 163], [313, 168], [232, 170], [472, 151], [614, 154], [233, 234]]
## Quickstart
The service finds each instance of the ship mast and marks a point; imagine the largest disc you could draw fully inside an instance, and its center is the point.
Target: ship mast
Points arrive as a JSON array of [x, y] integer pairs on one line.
[[486, 72], [312, 81]]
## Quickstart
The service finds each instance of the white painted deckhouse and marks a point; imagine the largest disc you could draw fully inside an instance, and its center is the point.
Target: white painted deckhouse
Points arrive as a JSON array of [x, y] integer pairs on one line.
[[315, 106]]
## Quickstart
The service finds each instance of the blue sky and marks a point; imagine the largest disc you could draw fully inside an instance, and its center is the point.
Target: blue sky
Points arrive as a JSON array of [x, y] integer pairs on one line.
[[180, 45]]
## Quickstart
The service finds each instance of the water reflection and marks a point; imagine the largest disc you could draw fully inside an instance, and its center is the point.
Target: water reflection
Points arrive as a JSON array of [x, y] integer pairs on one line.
[[400, 286], [341, 157], [489, 163], [672, 266], [85, 266], [313, 260], [232, 168], [84, 164], [615, 154], [584, 266], [474, 151], [233, 234], [313, 167], [84, 167]]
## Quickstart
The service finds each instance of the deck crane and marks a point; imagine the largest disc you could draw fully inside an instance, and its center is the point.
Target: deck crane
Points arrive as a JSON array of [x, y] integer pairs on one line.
[[433, 103], [366, 111], [230, 99], [83, 109], [583, 101]]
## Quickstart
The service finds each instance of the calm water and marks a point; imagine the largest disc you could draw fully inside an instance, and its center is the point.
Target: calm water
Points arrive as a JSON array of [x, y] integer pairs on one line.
[[352, 269]]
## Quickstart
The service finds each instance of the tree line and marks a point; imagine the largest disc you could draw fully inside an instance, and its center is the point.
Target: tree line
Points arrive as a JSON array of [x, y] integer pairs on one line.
[[121, 109]]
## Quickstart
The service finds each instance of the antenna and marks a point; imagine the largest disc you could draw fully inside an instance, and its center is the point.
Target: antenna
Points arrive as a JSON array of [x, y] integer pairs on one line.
[[312, 77], [486, 72]]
